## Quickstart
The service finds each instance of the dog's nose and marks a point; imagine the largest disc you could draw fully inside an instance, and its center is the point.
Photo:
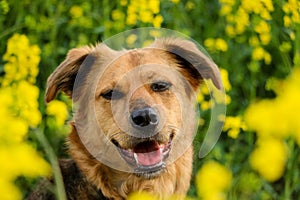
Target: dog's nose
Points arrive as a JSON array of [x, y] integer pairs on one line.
[[144, 118]]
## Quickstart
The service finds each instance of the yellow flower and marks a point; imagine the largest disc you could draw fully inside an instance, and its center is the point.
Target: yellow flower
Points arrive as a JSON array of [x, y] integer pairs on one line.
[[141, 195], [146, 16], [229, 2], [190, 5], [117, 15], [217, 44], [8, 190], [19, 111], [265, 38], [157, 21], [28, 104], [22, 60], [253, 41], [59, 110], [13, 130], [268, 4], [261, 116], [285, 47], [131, 19], [154, 6], [230, 31], [258, 53], [212, 181], [269, 158], [209, 43], [262, 27], [123, 2], [291, 8], [131, 39], [221, 45], [175, 1], [225, 79], [144, 11], [233, 126], [287, 21], [267, 58], [225, 10], [76, 11], [242, 20]]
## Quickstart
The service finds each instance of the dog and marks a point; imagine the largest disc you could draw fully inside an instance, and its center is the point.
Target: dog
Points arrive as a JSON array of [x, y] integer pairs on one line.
[[134, 120]]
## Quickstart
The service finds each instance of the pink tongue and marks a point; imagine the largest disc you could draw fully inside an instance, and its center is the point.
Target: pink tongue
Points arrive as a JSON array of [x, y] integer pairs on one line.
[[148, 159], [148, 153]]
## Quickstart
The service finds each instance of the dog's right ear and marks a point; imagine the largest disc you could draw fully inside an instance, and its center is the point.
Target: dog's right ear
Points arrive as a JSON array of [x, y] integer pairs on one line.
[[63, 78]]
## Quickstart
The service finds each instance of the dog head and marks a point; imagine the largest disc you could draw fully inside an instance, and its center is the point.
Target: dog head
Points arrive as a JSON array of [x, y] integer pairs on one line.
[[135, 108]]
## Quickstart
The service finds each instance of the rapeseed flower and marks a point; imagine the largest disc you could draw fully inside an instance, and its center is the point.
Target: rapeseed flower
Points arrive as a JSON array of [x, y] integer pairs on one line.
[[141, 195], [117, 15], [144, 11], [18, 112], [261, 116], [259, 53], [219, 96], [212, 181], [269, 158], [233, 125], [215, 45], [292, 13], [59, 110], [175, 1], [76, 11], [157, 21], [22, 60]]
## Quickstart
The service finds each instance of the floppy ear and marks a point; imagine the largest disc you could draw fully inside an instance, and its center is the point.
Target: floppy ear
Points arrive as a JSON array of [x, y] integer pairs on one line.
[[195, 65], [62, 79]]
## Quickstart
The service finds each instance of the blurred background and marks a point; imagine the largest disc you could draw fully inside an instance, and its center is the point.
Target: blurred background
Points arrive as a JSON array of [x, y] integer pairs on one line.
[[256, 44]]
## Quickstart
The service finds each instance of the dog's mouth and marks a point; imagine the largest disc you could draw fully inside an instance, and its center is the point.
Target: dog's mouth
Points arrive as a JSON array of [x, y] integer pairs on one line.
[[147, 157]]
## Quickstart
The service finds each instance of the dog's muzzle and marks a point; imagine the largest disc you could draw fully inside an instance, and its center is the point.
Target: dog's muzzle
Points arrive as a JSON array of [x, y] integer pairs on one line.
[[144, 121]]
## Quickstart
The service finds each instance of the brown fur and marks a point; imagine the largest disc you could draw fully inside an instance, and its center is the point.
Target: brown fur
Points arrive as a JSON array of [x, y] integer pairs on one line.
[[181, 61]]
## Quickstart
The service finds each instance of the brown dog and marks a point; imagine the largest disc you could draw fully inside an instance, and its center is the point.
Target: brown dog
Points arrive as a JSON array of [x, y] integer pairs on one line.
[[134, 120]]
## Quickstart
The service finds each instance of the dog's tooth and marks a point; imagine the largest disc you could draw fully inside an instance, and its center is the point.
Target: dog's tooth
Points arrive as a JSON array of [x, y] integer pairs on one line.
[[136, 158], [161, 149]]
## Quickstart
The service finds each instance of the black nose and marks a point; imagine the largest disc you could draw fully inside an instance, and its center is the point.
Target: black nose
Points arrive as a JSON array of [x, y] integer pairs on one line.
[[144, 118]]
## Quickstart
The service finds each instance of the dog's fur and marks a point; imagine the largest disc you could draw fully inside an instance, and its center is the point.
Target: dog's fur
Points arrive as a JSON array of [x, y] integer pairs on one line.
[[92, 179]]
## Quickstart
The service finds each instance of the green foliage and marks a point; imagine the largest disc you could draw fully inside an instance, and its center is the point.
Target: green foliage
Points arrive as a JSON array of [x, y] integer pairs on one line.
[[256, 42]]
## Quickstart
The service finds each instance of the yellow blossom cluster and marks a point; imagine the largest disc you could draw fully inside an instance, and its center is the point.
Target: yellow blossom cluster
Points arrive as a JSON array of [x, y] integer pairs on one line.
[[215, 45], [204, 91], [292, 13], [58, 110], [145, 12], [149, 196], [252, 16], [269, 158], [20, 57], [275, 120], [212, 181], [18, 113], [233, 126], [78, 17]]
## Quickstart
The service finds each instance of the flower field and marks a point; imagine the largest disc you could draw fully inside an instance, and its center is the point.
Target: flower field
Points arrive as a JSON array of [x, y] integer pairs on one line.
[[255, 43]]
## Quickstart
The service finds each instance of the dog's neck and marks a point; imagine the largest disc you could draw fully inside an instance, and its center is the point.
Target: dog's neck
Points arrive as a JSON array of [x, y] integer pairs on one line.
[[118, 185]]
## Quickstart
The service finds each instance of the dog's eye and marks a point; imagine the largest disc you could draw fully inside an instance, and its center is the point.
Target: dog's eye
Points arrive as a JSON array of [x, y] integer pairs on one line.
[[160, 86], [112, 94]]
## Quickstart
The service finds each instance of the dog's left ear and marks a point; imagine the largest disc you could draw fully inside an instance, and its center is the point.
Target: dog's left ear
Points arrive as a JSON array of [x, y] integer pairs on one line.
[[194, 64], [62, 79]]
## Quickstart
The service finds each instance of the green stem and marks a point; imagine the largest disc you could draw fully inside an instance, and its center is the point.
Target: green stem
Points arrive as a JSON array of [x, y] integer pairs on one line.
[[60, 190], [289, 169]]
